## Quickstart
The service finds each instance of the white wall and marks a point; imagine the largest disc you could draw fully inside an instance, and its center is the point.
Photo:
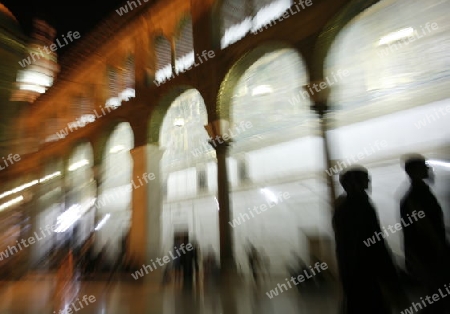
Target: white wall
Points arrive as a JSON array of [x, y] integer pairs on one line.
[[399, 130], [403, 134], [285, 227]]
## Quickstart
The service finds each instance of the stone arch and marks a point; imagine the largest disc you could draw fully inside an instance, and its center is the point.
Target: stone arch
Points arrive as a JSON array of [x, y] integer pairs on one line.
[[73, 146], [332, 30], [77, 144], [113, 128], [102, 139], [158, 114], [82, 147], [114, 193], [395, 53], [236, 71]]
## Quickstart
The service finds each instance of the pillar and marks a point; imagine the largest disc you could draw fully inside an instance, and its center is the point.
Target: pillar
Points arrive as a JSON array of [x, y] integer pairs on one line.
[[326, 149], [320, 106], [137, 244], [225, 230], [154, 197]]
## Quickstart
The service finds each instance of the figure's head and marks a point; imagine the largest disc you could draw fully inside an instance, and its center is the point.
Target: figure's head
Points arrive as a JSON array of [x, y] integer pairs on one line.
[[355, 179], [416, 167]]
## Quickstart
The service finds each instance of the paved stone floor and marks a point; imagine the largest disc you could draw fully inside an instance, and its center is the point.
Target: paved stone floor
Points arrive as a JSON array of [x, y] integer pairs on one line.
[[36, 295]]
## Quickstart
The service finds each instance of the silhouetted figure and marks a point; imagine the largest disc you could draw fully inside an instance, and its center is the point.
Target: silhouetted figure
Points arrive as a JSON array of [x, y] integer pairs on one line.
[[367, 273], [176, 267], [166, 274], [427, 252], [86, 254], [296, 267], [123, 249], [264, 265], [254, 261], [196, 261], [211, 267], [189, 264]]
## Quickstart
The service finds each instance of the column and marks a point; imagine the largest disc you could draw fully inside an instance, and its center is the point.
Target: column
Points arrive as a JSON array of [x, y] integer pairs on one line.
[[154, 197], [320, 106], [225, 230], [136, 249], [326, 148]]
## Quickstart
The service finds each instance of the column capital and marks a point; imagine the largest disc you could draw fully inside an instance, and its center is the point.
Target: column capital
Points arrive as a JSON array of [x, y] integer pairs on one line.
[[319, 92], [217, 127], [220, 145]]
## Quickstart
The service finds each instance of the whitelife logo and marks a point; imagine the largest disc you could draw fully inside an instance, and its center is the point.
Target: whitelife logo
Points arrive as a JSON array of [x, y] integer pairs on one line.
[[53, 48], [166, 259], [16, 158], [244, 126], [83, 121], [27, 242], [124, 10], [367, 151], [202, 58], [271, 202], [437, 114], [378, 236], [286, 15], [317, 87], [118, 193], [73, 306], [411, 36], [419, 306], [300, 278]]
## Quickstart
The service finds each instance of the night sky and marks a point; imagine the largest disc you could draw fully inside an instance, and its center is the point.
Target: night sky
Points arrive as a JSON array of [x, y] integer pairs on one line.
[[63, 15]]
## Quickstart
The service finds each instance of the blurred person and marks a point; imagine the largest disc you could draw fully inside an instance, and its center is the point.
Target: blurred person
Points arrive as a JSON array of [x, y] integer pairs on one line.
[[189, 264], [211, 271], [101, 260], [296, 267], [368, 274], [176, 268], [265, 265], [166, 278], [123, 249], [254, 261], [85, 254], [197, 261], [427, 253], [211, 267]]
